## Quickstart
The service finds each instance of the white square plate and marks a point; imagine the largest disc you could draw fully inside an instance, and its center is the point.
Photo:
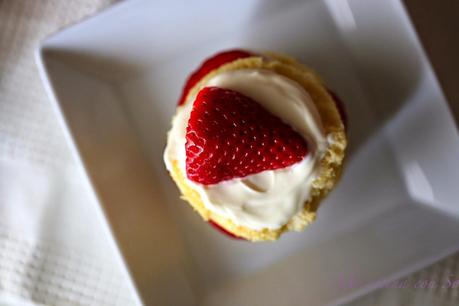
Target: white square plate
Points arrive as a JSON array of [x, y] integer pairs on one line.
[[115, 79]]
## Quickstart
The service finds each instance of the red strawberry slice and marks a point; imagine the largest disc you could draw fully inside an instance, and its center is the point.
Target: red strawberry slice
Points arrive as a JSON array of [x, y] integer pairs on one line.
[[223, 230], [340, 106], [229, 135], [210, 64]]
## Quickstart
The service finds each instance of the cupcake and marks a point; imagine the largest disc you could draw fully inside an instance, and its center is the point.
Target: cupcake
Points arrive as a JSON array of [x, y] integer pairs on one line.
[[256, 143]]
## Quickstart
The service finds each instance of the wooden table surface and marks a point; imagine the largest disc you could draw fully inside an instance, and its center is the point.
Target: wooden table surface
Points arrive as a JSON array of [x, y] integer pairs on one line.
[[437, 25]]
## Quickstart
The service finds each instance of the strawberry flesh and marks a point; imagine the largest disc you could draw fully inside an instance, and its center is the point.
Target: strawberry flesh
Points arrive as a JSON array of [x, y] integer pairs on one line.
[[229, 135], [340, 106], [210, 64], [223, 230]]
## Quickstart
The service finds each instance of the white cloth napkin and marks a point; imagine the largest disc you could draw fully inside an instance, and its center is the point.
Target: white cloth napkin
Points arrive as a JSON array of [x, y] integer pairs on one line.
[[55, 247]]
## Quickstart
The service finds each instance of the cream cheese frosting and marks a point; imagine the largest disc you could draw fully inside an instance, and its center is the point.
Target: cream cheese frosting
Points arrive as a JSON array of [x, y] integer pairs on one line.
[[268, 199]]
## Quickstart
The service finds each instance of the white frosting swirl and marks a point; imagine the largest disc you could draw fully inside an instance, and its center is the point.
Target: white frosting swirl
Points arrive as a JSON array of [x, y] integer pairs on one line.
[[268, 199]]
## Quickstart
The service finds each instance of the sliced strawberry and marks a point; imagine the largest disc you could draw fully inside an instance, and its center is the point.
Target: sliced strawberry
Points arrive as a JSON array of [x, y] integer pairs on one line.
[[210, 64], [229, 135], [340, 106], [224, 231]]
